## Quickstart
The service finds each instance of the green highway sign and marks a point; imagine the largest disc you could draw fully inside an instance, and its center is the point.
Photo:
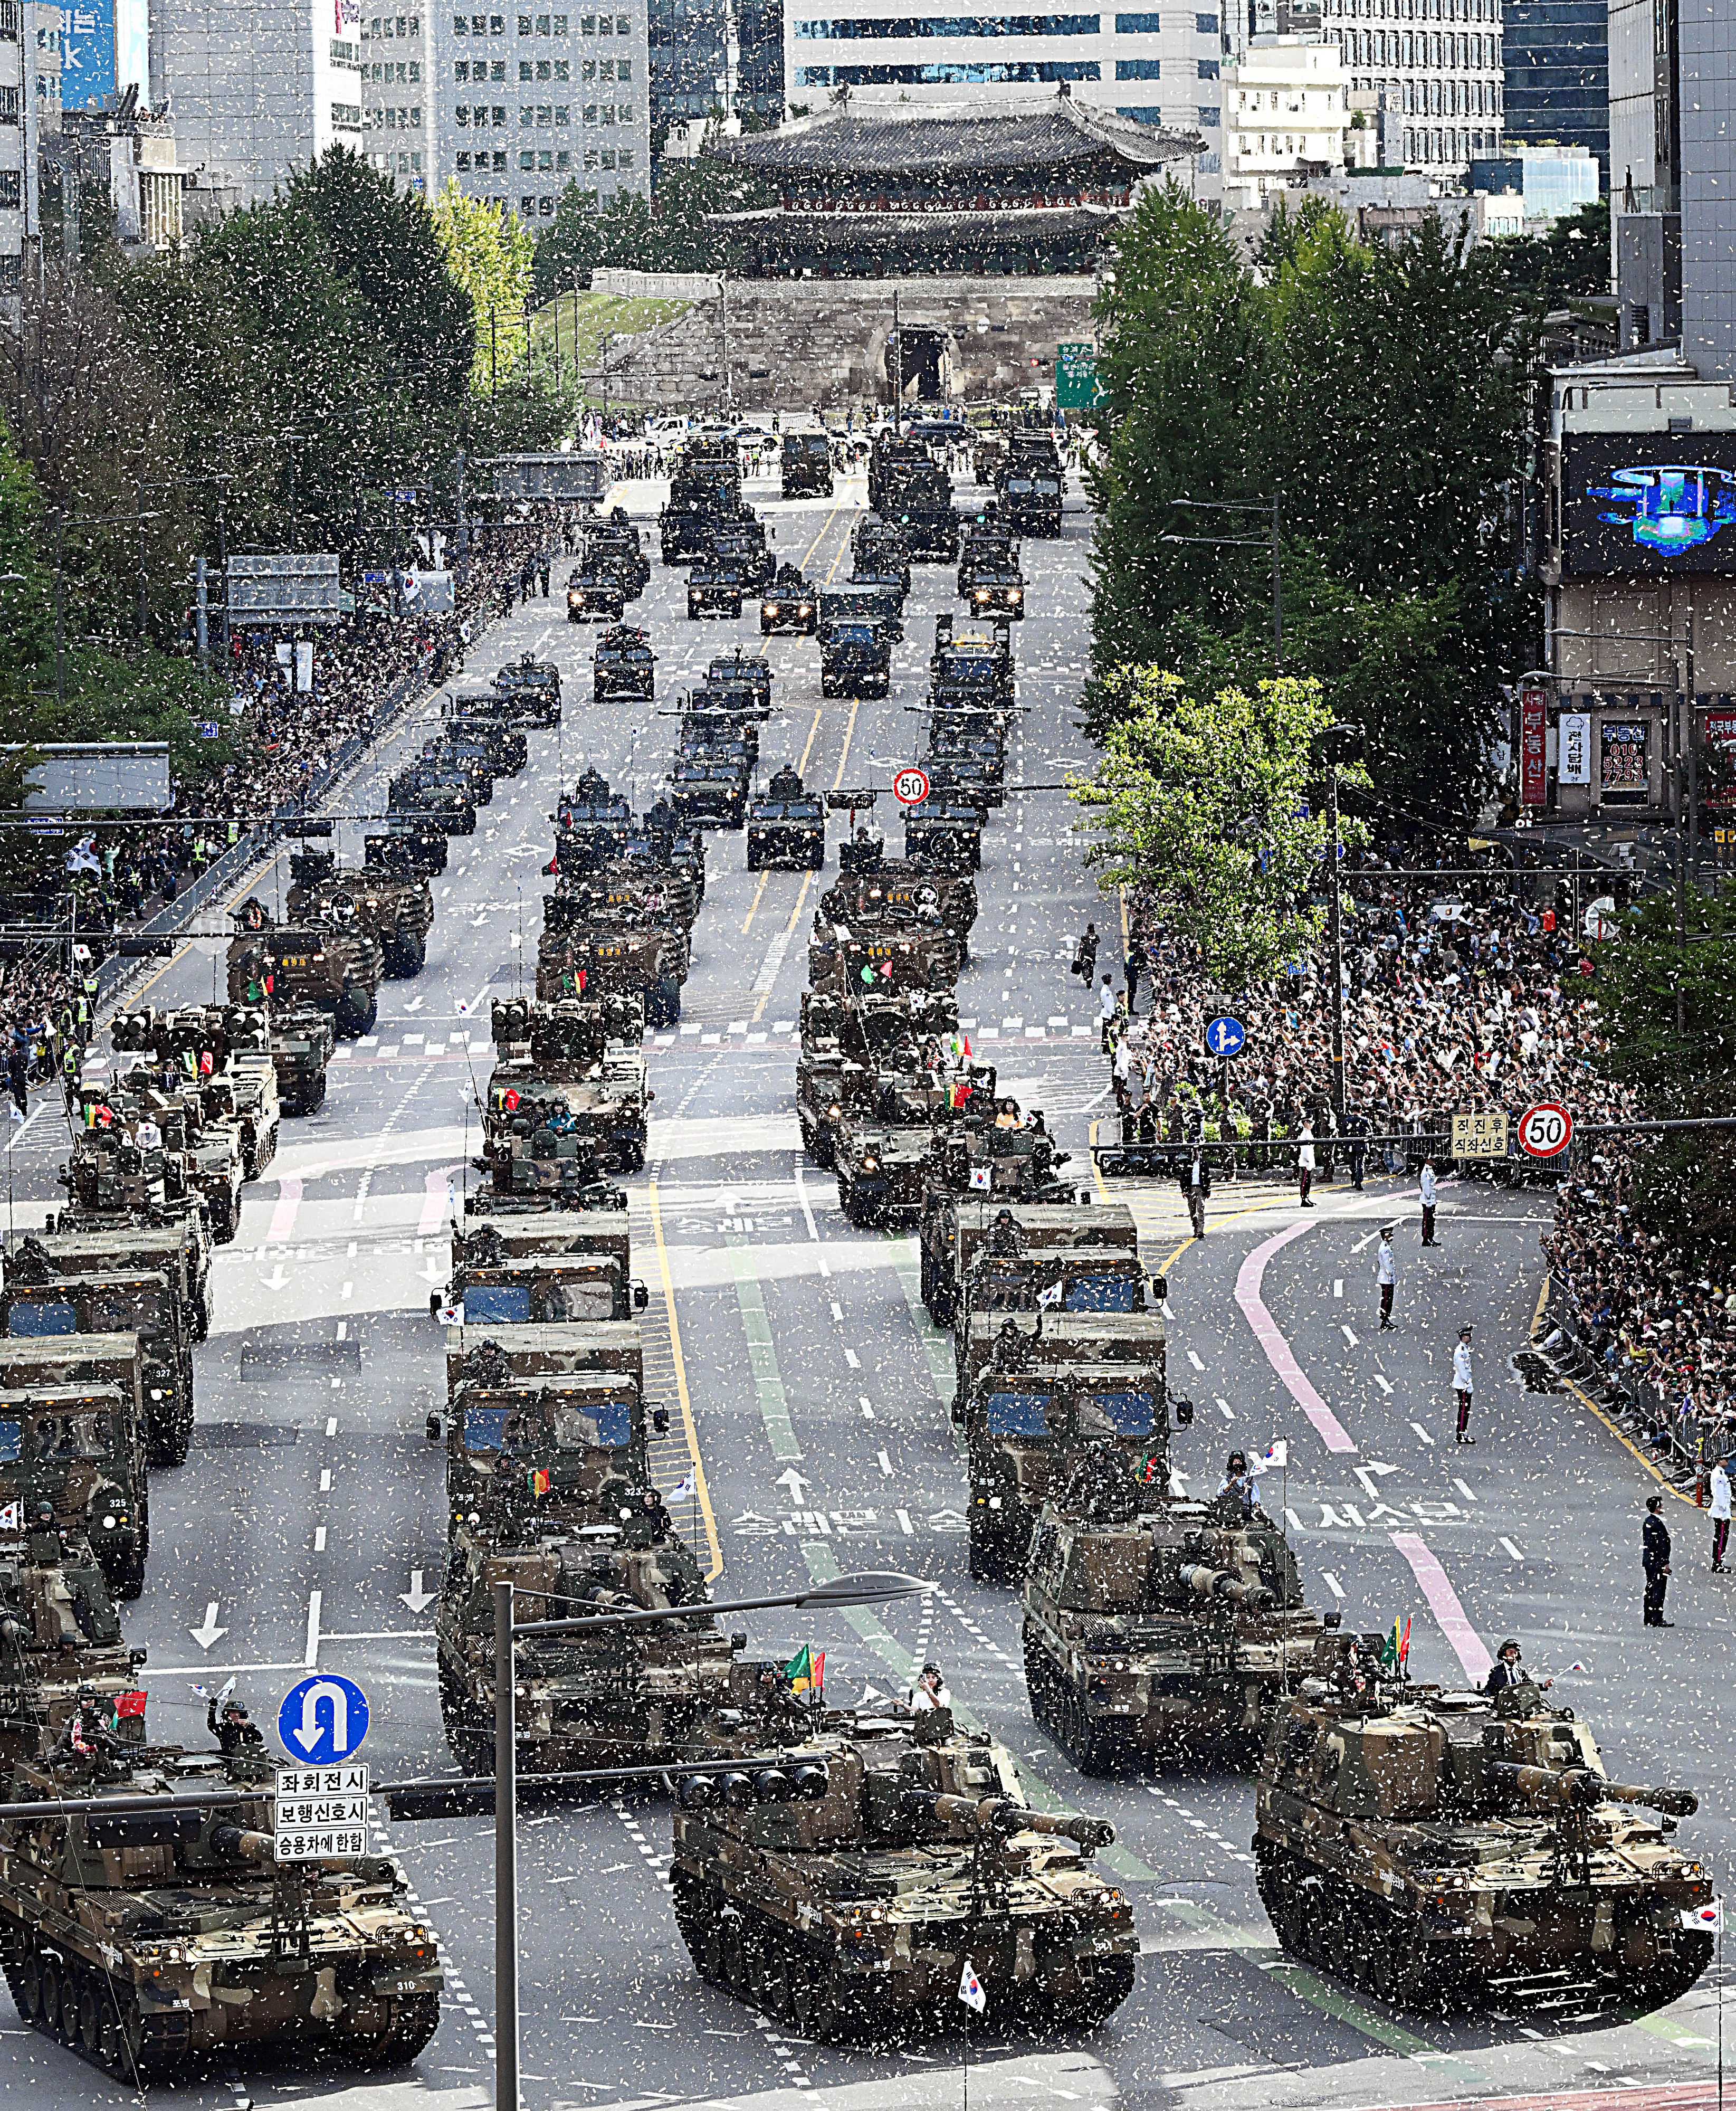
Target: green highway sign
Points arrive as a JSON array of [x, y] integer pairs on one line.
[[1076, 378]]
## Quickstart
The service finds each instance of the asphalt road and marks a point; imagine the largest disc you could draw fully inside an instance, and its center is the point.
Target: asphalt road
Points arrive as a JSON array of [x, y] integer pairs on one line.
[[307, 1529]]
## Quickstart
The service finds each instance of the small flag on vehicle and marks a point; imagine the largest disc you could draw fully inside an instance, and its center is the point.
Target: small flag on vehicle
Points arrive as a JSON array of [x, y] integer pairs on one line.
[[1053, 1296], [970, 1987], [536, 1480], [685, 1489], [983, 1176], [806, 1670], [451, 1315], [1276, 1456], [1707, 1919]]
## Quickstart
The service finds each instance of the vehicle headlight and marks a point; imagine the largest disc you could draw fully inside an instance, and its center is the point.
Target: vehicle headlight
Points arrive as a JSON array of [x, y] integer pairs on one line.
[[108, 1523], [871, 1165], [806, 609], [768, 608], [156, 1392]]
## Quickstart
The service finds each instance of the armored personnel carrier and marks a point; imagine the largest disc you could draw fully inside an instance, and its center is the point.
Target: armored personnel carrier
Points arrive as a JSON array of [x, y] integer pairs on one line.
[[65, 1283], [204, 1154], [842, 1881], [224, 1050], [485, 715], [1468, 1849], [398, 913], [919, 893], [407, 848], [887, 1124], [1024, 1425], [645, 964], [60, 1637], [427, 792], [1156, 1627], [143, 1941], [336, 968], [1007, 1165], [841, 961]]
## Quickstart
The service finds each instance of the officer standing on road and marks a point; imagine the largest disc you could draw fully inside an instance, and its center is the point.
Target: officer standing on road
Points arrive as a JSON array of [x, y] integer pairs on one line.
[[1427, 1188], [1196, 1182], [1654, 1555], [1386, 1274], [1305, 1162], [1463, 1384], [1356, 1132], [1719, 1514]]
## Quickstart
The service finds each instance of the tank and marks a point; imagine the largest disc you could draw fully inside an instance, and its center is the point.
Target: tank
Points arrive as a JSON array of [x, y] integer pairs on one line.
[[1008, 1166], [59, 1634], [336, 968], [842, 1880], [919, 891], [396, 909], [1450, 1849], [143, 1941], [1157, 1629]]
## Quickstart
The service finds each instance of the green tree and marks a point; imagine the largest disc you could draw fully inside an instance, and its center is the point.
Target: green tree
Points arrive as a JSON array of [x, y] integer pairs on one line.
[[490, 254], [1687, 1184], [1213, 802]]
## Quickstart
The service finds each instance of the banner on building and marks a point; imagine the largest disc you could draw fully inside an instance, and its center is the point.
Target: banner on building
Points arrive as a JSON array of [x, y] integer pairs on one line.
[[1533, 747], [1575, 728]]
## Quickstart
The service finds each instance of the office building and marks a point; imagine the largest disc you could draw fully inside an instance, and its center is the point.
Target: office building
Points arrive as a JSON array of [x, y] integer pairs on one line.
[[258, 88], [104, 52], [1287, 113], [713, 56], [18, 224], [1161, 67], [1434, 68], [1548, 182], [1556, 60]]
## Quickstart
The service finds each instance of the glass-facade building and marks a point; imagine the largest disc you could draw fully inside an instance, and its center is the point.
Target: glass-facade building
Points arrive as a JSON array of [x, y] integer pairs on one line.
[[1556, 53], [690, 50]]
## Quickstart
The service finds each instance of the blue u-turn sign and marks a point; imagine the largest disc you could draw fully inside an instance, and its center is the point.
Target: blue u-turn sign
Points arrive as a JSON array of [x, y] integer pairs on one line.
[[323, 1720]]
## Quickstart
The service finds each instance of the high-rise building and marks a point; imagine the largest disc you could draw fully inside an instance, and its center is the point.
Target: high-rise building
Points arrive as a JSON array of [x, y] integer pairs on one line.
[[1556, 55], [1159, 66], [711, 57], [511, 106], [1286, 110], [1434, 68], [258, 88], [1673, 179], [18, 224]]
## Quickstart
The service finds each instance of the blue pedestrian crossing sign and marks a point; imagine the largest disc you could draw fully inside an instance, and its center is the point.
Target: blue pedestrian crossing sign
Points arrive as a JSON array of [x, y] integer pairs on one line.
[[323, 1720], [1225, 1037]]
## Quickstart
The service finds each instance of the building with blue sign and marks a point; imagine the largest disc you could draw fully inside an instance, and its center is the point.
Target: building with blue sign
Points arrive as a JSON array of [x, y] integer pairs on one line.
[[105, 50]]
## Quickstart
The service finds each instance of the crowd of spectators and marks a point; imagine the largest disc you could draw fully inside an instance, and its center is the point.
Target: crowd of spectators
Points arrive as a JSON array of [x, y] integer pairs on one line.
[[284, 742], [1459, 997]]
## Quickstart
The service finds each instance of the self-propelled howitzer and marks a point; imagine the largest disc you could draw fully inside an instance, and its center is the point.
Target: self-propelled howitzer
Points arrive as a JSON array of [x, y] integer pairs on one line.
[[1467, 1849]]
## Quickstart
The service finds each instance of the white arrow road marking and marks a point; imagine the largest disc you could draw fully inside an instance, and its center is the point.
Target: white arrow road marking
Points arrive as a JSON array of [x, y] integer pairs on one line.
[[1422, 1432], [276, 1278], [415, 1597], [1384, 1385], [1365, 1475], [794, 1481], [210, 1631], [431, 1272]]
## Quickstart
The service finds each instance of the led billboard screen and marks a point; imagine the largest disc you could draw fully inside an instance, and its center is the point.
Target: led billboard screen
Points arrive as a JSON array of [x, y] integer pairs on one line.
[[1649, 503]]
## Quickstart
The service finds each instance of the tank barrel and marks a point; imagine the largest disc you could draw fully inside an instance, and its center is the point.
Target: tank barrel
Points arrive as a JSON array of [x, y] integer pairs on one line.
[[995, 1814], [1578, 1788]]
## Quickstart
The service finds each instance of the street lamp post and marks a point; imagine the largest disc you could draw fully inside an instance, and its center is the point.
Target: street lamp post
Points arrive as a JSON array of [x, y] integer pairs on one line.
[[873, 1588], [1246, 542]]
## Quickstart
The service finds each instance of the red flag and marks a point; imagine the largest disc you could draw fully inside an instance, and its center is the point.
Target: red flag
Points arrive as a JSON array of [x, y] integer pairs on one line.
[[129, 1703]]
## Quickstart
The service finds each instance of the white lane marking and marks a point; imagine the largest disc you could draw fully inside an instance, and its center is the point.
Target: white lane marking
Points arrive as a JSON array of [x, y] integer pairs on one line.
[[1337, 1286], [886, 1465], [331, 1425], [1333, 1584], [1194, 1358], [1422, 1432], [311, 1654], [320, 1539], [853, 1359], [1512, 1551], [1225, 1409], [1346, 1329], [905, 1524], [1468, 1494], [1384, 1385]]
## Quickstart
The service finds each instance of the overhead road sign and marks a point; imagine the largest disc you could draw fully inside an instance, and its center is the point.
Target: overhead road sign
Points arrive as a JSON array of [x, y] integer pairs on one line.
[[290, 589], [97, 777], [910, 787]]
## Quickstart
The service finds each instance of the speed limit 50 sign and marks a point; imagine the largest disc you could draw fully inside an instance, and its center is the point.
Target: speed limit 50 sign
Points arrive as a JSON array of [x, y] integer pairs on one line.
[[1546, 1129], [910, 786]]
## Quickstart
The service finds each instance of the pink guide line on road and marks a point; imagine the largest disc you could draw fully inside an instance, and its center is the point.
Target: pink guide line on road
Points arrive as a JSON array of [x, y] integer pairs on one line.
[[283, 1216], [1278, 1353], [1443, 1603]]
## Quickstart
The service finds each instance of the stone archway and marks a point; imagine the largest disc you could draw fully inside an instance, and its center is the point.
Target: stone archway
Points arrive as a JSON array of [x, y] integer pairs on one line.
[[922, 353]]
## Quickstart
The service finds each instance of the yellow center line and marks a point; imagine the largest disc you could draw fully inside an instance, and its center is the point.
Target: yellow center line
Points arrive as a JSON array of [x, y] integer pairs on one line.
[[701, 1489], [812, 730], [757, 892], [849, 732], [825, 529]]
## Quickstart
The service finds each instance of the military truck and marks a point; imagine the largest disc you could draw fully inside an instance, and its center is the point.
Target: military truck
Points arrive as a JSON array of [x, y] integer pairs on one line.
[[225, 1052], [77, 1445], [596, 592], [334, 968], [592, 811], [63, 1286], [625, 668], [177, 1248], [864, 1037], [1030, 485], [971, 671], [880, 1151], [1025, 1424], [398, 913], [923, 512], [530, 689], [959, 1225], [195, 1157], [986, 540], [711, 784], [454, 759], [647, 964], [408, 850], [483, 1239], [1052, 1336], [1093, 1286], [774, 1870], [112, 1185], [1156, 1627], [704, 488], [878, 551], [967, 753], [583, 1430], [612, 543], [60, 1635], [786, 826], [1448, 1850], [147, 1942], [542, 1111], [805, 461], [894, 458], [302, 1039]]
